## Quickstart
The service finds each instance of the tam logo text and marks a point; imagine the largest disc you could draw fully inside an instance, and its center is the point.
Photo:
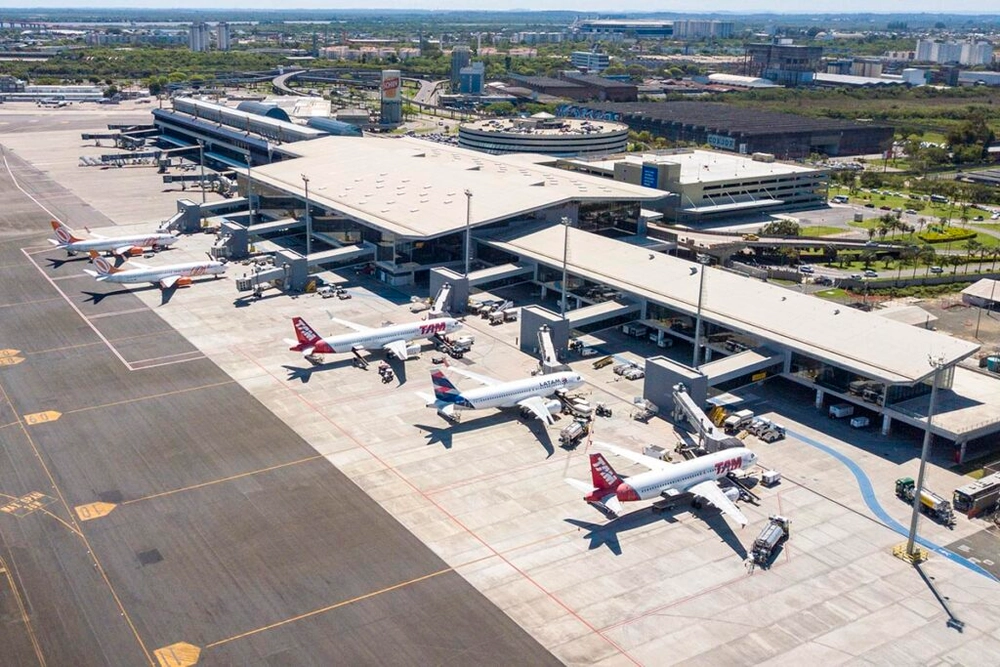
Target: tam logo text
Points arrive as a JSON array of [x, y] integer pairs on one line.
[[436, 327], [723, 467]]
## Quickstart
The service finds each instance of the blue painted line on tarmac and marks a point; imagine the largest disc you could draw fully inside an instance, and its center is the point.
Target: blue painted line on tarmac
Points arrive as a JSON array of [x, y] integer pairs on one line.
[[868, 493]]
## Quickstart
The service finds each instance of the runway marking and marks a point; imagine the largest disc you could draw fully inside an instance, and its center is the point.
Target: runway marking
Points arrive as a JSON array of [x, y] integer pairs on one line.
[[175, 357], [23, 611], [451, 517], [180, 654], [9, 352], [323, 610], [36, 418], [83, 538], [25, 505], [27, 303], [138, 399], [10, 361], [92, 511], [120, 312], [165, 363], [223, 479]]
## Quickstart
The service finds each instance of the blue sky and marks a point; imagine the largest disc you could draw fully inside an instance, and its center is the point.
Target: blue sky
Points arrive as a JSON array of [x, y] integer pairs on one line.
[[737, 6]]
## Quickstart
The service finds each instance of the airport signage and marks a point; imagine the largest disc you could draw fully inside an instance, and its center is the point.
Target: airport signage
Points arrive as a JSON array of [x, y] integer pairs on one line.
[[574, 111], [722, 141], [650, 176]]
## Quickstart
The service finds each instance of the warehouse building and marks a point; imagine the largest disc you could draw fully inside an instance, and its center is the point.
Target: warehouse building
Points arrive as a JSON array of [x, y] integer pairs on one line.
[[741, 130]]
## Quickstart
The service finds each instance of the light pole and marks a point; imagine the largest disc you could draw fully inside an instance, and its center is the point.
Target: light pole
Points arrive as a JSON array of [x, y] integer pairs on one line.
[[249, 190], [697, 322], [201, 159], [565, 266], [468, 231], [939, 365], [309, 231]]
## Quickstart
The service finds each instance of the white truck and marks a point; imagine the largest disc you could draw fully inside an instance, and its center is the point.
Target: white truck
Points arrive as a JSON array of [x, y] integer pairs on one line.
[[734, 422], [841, 410]]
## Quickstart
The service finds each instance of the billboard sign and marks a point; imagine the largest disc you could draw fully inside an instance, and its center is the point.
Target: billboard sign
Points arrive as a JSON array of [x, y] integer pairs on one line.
[[650, 176], [722, 141], [391, 85]]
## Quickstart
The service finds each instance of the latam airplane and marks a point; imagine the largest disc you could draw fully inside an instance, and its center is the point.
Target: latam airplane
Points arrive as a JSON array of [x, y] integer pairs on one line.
[[394, 339], [529, 393], [698, 476], [172, 275], [133, 245]]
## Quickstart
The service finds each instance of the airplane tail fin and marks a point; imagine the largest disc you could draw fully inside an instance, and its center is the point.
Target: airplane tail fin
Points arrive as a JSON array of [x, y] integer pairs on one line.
[[602, 474], [306, 337], [103, 266], [444, 390], [63, 233]]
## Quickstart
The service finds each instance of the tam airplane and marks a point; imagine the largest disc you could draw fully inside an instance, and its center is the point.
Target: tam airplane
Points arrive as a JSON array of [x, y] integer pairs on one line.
[[133, 245], [667, 480], [529, 393], [394, 339], [171, 275]]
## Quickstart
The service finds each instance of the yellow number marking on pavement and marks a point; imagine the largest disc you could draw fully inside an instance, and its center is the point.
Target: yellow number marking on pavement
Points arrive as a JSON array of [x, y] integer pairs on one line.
[[93, 510], [42, 417], [180, 654]]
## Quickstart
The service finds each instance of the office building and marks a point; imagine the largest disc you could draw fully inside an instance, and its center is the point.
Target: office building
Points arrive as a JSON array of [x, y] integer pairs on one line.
[[222, 36], [784, 64], [471, 79], [590, 61], [461, 56], [198, 37]]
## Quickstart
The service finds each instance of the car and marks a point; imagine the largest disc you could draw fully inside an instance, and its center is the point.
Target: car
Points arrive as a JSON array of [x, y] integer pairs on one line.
[[995, 216], [897, 210], [885, 208], [855, 276], [870, 274], [869, 205], [937, 269], [910, 211], [807, 269], [978, 218]]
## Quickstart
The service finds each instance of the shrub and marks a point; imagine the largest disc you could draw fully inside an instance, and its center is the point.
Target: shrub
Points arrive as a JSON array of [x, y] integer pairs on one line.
[[945, 235]]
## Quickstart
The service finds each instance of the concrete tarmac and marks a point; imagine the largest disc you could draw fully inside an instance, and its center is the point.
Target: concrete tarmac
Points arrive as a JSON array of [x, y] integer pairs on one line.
[[153, 511]]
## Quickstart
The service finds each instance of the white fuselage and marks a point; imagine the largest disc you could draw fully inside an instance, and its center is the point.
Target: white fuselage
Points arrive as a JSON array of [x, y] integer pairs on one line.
[[137, 241], [509, 394], [682, 476], [155, 275], [376, 338]]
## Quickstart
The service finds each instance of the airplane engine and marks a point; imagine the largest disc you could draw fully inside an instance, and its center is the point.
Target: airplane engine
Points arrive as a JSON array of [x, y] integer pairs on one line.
[[412, 350], [183, 282], [554, 407], [732, 493], [134, 251]]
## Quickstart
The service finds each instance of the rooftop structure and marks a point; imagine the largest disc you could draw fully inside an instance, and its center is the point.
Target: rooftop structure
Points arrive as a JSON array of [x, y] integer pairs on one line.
[[742, 130], [875, 346], [544, 134], [414, 189]]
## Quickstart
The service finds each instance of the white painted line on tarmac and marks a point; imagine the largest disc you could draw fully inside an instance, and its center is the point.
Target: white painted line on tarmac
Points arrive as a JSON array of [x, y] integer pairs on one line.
[[119, 312]]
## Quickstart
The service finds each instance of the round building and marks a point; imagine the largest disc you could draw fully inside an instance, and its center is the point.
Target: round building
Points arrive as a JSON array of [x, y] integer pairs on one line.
[[544, 133]]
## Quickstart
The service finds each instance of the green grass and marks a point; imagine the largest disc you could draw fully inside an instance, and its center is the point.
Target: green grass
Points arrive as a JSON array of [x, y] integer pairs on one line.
[[821, 230], [833, 294]]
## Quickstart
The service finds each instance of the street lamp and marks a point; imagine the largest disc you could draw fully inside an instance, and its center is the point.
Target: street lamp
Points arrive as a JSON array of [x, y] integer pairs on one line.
[[468, 231], [565, 266], [697, 323], [309, 232], [249, 189], [201, 159], [939, 365]]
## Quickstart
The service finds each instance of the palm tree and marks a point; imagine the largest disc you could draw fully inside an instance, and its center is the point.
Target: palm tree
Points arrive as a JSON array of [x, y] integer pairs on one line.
[[972, 247], [995, 254], [868, 256], [925, 255], [906, 254]]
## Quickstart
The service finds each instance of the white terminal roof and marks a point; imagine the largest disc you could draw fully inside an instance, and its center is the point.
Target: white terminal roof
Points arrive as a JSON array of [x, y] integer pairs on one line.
[[698, 165], [416, 188], [871, 345], [565, 126]]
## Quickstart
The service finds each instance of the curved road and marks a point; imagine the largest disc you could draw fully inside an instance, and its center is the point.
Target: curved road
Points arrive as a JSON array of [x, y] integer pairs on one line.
[[868, 494]]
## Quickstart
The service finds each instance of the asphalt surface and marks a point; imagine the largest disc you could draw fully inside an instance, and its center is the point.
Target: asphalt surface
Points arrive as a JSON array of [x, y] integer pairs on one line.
[[223, 529]]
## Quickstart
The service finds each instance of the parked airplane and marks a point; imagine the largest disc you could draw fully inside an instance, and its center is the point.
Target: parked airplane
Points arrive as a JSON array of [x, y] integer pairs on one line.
[[67, 239], [167, 276], [698, 476], [529, 393], [394, 339]]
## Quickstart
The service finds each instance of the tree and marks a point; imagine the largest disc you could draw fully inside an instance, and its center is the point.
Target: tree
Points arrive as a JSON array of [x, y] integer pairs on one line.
[[110, 91], [972, 247], [908, 253], [925, 255], [781, 228], [868, 256]]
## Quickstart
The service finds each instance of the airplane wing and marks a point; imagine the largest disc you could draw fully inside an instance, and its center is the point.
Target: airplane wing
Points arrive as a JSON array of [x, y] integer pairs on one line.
[[398, 349], [482, 379], [641, 459], [166, 282], [123, 250], [537, 407], [350, 325], [711, 492]]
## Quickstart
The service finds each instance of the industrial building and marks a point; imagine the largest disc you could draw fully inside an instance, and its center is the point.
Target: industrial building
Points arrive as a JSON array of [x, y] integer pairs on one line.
[[618, 29], [544, 134], [785, 64], [712, 184], [581, 87], [742, 130]]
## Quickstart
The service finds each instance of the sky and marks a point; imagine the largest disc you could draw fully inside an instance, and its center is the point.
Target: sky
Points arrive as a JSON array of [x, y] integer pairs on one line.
[[592, 6]]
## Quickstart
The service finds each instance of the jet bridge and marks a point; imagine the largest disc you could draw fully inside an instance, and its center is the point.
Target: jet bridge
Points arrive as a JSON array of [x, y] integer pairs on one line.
[[549, 362], [711, 438]]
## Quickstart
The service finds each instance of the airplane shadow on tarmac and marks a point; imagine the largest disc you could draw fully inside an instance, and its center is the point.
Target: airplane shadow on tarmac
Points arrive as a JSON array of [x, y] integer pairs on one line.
[[444, 434], [305, 374], [607, 534]]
